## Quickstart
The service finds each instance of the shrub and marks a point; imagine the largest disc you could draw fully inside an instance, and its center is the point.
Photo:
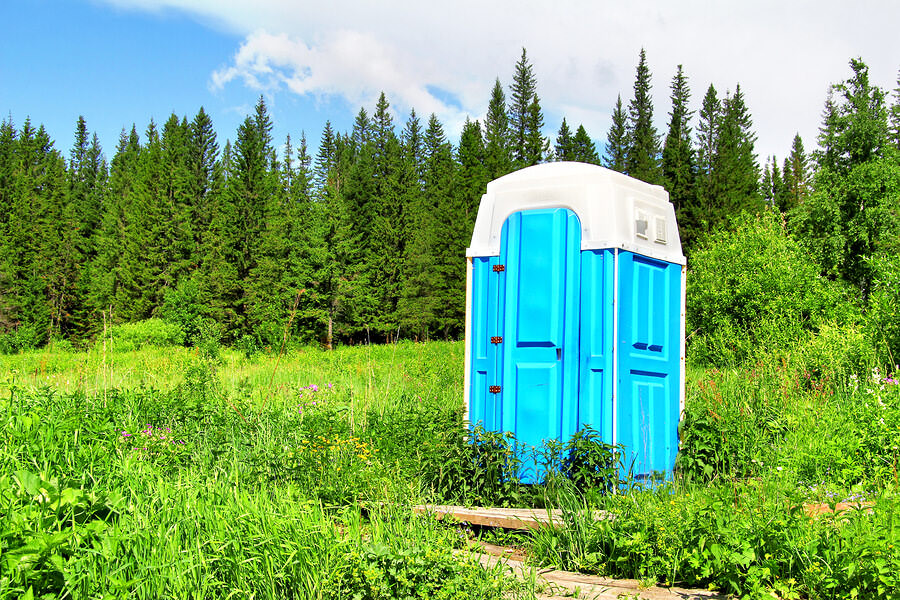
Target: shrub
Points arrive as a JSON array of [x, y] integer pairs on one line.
[[754, 289], [884, 308], [150, 332]]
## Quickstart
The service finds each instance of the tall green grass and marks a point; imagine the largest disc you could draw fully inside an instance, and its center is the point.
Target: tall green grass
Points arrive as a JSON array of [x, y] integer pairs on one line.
[[205, 488]]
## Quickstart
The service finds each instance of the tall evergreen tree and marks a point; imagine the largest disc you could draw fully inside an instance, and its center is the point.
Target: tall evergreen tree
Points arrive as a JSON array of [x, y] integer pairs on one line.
[[736, 176], [678, 167], [565, 144], [386, 249], [86, 177], [536, 145], [642, 155], [852, 213], [894, 131], [472, 178], [700, 216], [498, 158], [524, 113], [855, 129], [796, 173], [583, 147], [447, 231], [617, 139]]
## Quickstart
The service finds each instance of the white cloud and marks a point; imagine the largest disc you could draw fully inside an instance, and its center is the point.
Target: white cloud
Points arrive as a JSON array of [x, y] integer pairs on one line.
[[784, 54]]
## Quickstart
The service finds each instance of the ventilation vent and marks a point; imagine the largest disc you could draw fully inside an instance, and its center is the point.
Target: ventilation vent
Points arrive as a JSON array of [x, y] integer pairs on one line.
[[641, 225], [660, 230]]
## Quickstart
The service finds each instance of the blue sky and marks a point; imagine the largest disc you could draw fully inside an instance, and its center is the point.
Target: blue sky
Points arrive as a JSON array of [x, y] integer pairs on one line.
[[118, 62]]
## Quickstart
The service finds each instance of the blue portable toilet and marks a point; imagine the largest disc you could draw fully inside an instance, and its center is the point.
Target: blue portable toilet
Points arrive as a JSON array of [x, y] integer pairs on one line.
[[575, 296]]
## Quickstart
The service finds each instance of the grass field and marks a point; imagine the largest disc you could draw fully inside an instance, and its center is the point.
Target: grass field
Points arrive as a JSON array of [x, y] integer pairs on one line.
[[173, 473]]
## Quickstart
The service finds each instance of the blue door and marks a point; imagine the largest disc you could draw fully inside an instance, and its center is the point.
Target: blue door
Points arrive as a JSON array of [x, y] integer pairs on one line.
[[649, 355], [537, 362]]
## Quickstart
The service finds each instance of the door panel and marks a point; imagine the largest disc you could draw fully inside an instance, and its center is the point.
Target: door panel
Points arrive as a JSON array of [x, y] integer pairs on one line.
[[647, 407], [539, 355]]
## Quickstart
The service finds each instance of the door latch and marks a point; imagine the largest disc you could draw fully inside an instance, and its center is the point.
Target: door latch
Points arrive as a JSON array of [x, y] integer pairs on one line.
[[559, 354]]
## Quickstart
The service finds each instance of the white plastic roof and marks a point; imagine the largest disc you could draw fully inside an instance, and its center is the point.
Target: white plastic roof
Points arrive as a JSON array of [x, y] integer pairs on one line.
[[616, 211]]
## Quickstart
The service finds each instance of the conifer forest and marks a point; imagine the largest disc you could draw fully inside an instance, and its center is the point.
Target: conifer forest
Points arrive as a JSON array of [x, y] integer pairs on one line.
[[364, 241]]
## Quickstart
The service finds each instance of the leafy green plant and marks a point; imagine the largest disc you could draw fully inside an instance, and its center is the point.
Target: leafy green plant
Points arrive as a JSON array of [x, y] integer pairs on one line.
[[753, 289], [591, 463]]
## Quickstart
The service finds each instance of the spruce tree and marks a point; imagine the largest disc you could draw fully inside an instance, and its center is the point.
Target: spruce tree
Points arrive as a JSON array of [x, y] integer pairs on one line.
[[852, 213], [536, 145], [678, 153], [583, 149], [796, 173], [565, 145], [736, 176], [701, 215], [642, 154], [497, 152], [386, 249], [524, 112], [617, 139], [894, 125], [87, 175]]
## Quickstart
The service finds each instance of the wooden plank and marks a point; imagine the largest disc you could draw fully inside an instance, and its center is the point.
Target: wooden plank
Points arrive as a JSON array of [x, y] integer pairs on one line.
[[507, 518], [555, 583]]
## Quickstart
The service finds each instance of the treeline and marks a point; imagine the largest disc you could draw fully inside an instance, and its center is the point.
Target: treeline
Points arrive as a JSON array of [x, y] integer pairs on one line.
[[365, 240]]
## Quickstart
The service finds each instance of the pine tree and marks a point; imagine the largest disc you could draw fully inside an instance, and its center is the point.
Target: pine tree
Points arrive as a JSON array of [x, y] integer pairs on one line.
[[855, 130], [497, 153], [325, 158], [678, 167], [583, 148], [108, 267], [736, 176], [8, 252], [536, 145], [87, 175], [202, 157], [617, 139], [524, 111], [700, 216], [852, 213], [796, 173], [642, 155], [564, 148], [894, 126], [472, 177], [449, 230], [386, 249]]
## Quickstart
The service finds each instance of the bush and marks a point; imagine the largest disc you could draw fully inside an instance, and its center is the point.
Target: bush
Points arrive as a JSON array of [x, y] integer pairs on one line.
[[884, 309], [754, 289], [150, 332]]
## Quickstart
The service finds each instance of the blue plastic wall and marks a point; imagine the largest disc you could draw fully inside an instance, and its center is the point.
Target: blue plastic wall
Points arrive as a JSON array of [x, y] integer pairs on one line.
[[558, 365]]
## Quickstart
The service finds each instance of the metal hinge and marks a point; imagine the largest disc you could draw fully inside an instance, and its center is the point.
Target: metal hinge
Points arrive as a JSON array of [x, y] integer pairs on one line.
[[496, 339], [499, 268], [494, 389]]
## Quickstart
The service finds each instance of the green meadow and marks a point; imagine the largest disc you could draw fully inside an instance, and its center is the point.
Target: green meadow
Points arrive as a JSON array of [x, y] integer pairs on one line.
[[170, 472]]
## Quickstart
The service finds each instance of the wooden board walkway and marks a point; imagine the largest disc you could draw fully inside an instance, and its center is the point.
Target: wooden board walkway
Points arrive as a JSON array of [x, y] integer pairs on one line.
[[554, 584], [534, 518], [507, 518]]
